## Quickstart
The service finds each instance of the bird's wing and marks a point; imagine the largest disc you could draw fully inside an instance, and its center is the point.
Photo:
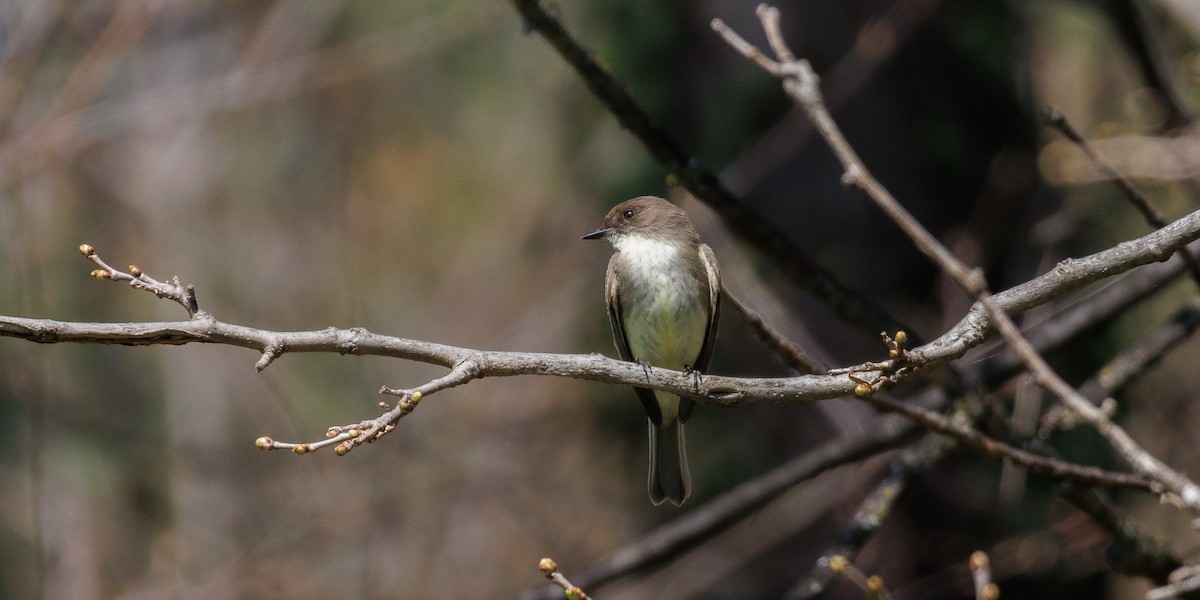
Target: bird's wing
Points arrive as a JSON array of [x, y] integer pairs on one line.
[[710, 334], [714, 307]]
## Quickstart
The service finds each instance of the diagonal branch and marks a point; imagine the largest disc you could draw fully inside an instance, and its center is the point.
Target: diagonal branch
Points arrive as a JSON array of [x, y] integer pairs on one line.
[[721, 513], [801, 85], [700, 180], [1057, 119]]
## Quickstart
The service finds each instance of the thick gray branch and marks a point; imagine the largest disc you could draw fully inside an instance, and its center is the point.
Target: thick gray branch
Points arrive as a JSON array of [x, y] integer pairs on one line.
[[710, 389], [1069, 275]]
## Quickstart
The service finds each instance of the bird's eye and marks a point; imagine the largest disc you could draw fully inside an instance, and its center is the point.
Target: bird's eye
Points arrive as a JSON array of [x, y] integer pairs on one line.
[[628, 214]]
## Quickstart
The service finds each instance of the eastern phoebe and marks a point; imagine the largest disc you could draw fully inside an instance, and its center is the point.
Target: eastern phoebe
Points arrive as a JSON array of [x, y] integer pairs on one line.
[[663, 291]]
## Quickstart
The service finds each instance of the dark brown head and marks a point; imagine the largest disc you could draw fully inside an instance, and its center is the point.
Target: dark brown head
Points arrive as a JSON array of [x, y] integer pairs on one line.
[[650, 217]]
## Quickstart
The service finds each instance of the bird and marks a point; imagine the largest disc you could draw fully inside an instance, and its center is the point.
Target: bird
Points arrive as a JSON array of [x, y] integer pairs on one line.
[[663, 292]]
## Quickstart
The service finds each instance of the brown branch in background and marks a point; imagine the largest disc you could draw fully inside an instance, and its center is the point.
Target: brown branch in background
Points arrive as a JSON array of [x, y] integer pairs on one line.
[[1130, 363], [800, 84], [773, 243], [870, 516], [722, 512], [29, 33], [89, 77], [1043, 465], [878, 39], [1133, 551], [773, 338], [927, 452], [1147, 350], [922, 456], [1058, 120], [253, 82]]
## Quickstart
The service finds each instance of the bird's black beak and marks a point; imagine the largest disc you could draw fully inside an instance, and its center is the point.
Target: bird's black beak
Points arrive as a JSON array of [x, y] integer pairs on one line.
[[597, 234]]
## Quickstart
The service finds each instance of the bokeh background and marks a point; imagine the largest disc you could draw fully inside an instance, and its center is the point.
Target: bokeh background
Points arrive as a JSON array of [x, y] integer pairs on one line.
[[425, 169]]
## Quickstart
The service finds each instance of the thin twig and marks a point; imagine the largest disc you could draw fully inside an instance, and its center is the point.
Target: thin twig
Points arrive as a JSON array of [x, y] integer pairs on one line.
[[549, 568], [182, 295], [871, 514], [1141, 354], [783, 347], [1044, 465]]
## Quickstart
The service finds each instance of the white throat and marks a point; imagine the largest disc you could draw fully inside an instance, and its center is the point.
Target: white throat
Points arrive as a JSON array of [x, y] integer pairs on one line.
[[645, 252]]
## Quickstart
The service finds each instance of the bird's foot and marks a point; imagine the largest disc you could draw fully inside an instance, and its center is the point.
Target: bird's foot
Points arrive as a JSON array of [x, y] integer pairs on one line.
[[646, 366], [697, 376]]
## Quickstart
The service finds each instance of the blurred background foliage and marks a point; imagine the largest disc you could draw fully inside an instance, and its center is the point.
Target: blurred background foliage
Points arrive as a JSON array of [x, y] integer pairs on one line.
[[425, 169]]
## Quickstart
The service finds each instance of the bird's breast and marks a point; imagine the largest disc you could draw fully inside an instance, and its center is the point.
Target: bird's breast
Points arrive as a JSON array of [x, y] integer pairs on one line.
[[664, 304]]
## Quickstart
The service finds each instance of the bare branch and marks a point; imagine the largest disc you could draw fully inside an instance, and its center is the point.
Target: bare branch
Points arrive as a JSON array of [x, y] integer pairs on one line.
[[871, 513], [773, 338], [800, 84], [713, 389], [701, 181], [1092, 311], [972, 438], [345, 437], [1057, 119], [721, 513], [185, 296]]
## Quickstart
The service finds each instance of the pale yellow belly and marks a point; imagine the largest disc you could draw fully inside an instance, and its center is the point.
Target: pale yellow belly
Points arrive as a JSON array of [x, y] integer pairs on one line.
[[666, 336]]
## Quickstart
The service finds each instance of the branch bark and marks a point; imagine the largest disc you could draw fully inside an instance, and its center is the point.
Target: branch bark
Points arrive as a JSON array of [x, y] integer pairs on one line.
[[724, 391]]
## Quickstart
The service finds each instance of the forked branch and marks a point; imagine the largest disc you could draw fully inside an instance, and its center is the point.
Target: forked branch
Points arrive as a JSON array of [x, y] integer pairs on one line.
[[800, 83]]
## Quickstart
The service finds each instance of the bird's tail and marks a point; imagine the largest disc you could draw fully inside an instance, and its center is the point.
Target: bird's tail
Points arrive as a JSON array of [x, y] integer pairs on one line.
[[669, 477]]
